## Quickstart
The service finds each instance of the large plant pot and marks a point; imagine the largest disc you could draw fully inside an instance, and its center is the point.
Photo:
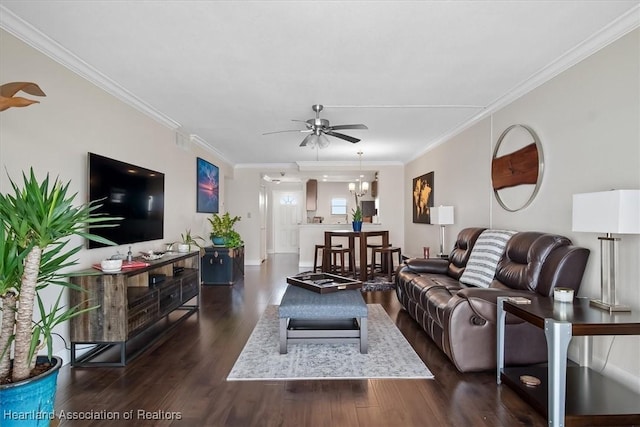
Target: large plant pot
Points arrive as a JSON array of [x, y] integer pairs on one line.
[[357, 225], [218, 241], [184, 248], [30, 402]]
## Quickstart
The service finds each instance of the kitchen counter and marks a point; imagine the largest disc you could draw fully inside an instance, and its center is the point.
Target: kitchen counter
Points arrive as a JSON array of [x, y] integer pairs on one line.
[[337, 226]]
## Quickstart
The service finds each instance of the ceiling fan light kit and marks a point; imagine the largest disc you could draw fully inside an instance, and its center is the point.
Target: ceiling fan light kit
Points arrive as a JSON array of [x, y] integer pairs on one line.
[[319, 128], [315, 139]]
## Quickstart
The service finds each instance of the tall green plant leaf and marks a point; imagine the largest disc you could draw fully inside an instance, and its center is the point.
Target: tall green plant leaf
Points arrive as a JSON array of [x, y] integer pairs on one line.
[[11, 260], [39, 218]]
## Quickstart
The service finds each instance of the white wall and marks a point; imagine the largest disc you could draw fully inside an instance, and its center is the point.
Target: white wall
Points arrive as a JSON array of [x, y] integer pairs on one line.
[[390, 199], [587, 119], [243, 199], [76, 117], [458, 176]]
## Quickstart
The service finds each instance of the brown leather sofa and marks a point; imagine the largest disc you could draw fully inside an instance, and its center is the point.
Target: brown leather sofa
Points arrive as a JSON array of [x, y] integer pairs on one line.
[[461, 320]]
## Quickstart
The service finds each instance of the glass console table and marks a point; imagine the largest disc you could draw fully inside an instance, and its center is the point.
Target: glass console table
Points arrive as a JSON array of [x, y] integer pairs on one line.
[[593, 399]]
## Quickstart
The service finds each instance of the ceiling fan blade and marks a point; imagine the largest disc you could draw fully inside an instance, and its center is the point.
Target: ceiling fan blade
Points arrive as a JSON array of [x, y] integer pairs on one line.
[[282, 131], [307, 123], [306, 140], [343, 136], [342, 127]]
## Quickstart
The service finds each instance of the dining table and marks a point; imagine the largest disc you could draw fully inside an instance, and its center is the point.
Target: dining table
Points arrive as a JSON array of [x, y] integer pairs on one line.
[[363, 240]]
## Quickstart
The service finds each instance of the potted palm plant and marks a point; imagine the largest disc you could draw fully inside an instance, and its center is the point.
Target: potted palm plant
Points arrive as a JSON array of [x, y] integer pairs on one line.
[[222, 232], [188, 240], [36, 222]]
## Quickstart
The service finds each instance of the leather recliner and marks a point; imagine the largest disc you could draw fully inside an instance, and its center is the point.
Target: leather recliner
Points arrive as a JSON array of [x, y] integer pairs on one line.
[[461, 320]]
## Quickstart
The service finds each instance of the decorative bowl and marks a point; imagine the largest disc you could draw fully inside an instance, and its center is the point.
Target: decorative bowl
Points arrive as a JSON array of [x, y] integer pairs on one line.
[[111, 264]]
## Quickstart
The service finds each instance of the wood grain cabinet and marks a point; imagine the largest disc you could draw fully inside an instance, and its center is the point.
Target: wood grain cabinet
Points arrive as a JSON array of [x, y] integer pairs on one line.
[[312, 194], [128, 305]]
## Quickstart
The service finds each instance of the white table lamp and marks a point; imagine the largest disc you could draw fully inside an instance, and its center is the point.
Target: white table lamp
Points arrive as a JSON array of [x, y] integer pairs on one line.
[[442, 215], [610, 212]]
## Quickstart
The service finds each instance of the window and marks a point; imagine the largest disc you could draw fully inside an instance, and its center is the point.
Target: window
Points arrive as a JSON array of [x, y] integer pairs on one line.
[[338, 206], [288, 199]]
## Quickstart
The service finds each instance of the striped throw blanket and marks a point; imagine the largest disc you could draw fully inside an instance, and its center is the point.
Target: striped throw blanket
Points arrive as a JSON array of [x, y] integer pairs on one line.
[[481, 267]]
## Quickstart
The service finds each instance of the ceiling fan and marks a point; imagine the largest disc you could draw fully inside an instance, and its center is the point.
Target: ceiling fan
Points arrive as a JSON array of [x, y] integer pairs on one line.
[[317, 129]]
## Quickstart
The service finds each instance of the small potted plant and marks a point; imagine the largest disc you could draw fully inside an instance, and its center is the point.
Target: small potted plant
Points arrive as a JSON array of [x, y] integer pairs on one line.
[[356, 218], [222, 232], [36, 222], [187, 241], [233, 240]]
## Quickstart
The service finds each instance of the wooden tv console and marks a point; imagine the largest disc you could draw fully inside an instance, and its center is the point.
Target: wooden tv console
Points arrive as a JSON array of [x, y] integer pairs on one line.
[[129, 307]]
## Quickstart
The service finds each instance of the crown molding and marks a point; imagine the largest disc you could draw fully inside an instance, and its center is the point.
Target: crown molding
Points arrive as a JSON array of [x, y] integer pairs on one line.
[[607, 35], [195, 139], [36, 39], [267, 166]]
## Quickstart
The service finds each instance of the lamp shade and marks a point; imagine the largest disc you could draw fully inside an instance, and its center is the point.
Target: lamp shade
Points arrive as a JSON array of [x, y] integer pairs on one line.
[[614, 211], [323, 141], [442, 215]]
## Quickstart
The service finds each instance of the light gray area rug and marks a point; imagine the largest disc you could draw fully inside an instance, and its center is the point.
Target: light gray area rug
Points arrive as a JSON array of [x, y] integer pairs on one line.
[[390, 355]]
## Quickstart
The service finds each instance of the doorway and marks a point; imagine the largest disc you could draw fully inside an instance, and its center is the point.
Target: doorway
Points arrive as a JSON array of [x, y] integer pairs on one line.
[[263, 223], [287, 216]]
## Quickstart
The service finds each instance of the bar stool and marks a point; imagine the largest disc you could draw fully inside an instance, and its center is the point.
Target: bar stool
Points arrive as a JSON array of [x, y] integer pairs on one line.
[[373, 264], [341, 252], [386, 256], [320, 251]]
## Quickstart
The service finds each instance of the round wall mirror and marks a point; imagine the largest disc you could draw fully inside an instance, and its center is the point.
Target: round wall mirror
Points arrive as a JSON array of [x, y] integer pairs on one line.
[[516, 167]]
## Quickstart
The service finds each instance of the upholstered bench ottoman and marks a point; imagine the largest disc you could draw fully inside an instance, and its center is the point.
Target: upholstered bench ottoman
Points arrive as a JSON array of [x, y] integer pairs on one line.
[[307, 316]]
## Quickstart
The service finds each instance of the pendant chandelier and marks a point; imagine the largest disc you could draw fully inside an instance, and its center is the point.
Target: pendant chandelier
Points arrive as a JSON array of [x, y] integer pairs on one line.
[[362, 186]]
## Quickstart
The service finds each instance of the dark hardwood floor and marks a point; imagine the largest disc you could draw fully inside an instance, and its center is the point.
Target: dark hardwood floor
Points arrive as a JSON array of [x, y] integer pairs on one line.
[[186, 373]]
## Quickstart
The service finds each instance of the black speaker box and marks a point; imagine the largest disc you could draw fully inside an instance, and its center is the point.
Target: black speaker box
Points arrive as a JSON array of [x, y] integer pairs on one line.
[[155, 279]]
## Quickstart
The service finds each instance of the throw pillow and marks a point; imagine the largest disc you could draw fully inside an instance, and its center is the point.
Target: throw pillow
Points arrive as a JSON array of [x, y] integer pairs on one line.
[[481, 267]]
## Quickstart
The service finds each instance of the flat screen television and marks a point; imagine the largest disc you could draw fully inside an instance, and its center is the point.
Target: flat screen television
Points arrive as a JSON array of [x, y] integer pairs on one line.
[[134, 193]]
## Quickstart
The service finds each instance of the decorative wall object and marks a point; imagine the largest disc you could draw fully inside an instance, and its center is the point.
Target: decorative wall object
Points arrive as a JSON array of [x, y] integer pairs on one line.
[[517, 162], [422, 198], [8, 91], [208, 186]]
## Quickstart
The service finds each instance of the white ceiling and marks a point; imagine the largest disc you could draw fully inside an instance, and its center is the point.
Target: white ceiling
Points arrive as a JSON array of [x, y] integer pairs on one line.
[[414, 72]]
